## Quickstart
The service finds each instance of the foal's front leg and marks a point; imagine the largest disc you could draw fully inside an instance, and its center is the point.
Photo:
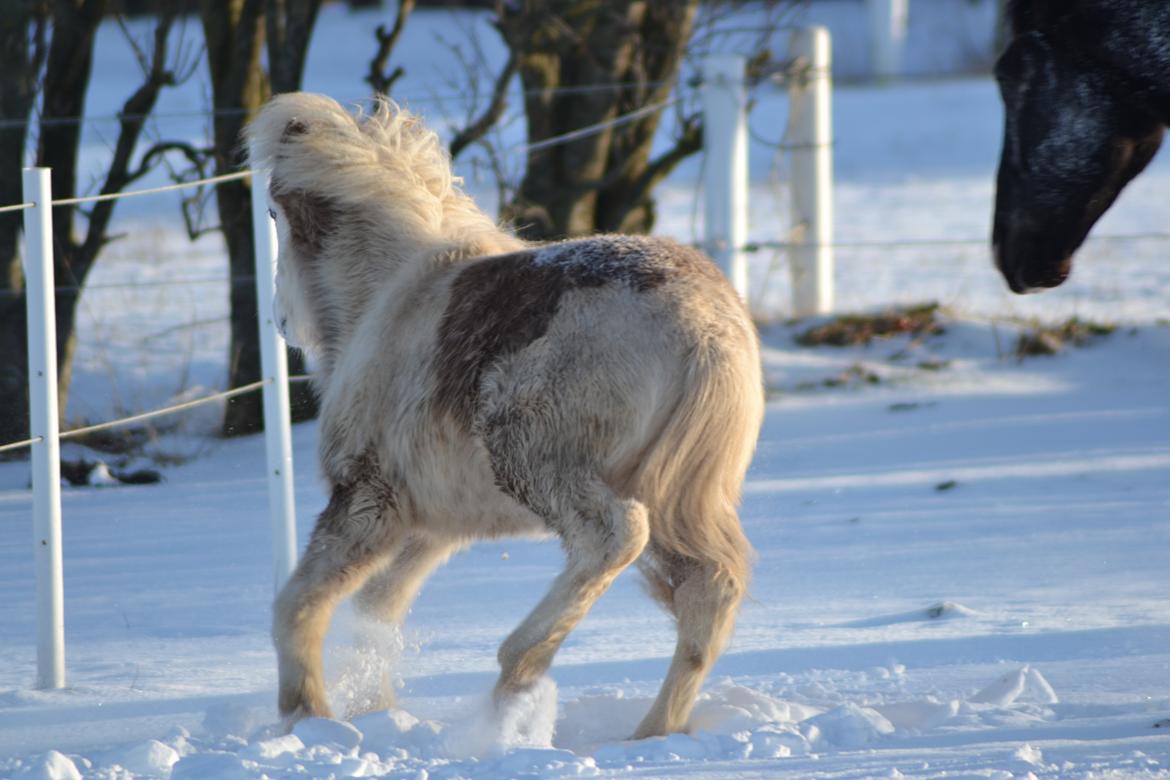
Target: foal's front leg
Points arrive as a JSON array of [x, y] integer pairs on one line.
[[390, 591], [387, 596], [354, 533]]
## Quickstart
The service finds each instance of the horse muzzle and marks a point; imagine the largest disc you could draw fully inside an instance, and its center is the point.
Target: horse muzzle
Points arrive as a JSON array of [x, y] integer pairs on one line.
[[1029, 268]]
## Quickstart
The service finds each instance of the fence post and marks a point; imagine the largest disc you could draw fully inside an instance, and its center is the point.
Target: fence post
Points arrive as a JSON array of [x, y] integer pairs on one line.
[[888, 21], [725, 171], [810, 139], [44, 426], [274, 372]]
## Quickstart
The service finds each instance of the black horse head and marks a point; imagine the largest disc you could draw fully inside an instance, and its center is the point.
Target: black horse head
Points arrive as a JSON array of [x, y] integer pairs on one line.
[[1076, 132]]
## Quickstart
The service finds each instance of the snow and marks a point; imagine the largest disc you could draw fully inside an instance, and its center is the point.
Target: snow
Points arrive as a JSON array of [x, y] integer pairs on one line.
[[962, 567]]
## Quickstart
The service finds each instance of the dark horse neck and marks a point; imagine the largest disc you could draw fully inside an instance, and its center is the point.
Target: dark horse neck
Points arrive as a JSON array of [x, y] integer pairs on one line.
[[1131, 38]]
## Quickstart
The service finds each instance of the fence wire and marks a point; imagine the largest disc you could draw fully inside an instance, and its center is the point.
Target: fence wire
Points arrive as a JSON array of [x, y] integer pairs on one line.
[[75, 433], [183, 185]]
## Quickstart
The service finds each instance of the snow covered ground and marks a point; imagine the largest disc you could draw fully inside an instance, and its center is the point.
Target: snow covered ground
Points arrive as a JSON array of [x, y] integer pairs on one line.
[[962, 573], [963, 556]]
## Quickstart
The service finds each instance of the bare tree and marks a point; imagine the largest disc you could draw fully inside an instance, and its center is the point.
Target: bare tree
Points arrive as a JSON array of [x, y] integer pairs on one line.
[[583, 64], [68, 62], [614, 67]]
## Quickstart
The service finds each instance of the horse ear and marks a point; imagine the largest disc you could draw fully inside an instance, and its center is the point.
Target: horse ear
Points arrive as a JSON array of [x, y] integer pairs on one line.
[[294, 128]]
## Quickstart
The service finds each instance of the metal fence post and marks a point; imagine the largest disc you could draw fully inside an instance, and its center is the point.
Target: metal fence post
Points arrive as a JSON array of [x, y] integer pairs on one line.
[[725, 171], [44, 426], [810, 138], [888, 20], [274, 372]]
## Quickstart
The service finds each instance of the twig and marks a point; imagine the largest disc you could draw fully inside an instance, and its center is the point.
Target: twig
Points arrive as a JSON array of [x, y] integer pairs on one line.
[[377, 78], [491, 115]]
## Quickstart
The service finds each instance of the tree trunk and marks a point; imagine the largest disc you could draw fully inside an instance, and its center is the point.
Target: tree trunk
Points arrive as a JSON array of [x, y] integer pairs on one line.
[[624, 56], [22, 28], [234, 33], [67, 74], [290, 25]]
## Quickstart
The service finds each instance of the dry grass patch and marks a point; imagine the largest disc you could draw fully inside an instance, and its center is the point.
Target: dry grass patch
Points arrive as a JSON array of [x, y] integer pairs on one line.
[[1052, 339], [850, 330]]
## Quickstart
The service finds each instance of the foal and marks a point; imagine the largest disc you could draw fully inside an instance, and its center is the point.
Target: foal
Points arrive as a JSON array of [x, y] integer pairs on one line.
[[605, 390]]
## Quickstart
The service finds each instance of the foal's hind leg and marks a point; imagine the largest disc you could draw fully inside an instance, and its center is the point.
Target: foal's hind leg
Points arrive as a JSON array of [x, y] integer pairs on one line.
[[354, 533], [704, 599], [602, 535]]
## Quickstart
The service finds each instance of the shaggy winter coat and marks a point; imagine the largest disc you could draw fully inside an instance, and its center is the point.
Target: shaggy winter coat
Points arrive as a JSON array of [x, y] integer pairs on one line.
[[605, 390]]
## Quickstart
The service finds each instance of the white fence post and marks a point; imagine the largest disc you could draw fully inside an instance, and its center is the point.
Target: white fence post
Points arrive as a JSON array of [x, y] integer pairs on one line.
[[810, 138], [888, 20], [274, 371], [725, 175], [44, 426]]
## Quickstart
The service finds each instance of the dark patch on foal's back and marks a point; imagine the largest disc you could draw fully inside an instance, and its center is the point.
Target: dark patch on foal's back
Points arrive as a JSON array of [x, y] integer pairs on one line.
[[497, 307], [500, 305]]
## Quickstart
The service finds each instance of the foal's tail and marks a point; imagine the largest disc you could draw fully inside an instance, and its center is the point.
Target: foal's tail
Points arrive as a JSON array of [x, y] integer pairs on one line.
[[693, 475]]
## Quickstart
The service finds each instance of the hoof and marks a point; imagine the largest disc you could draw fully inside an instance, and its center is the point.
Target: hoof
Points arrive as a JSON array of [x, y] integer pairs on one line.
[[290, 717], [289, 720]]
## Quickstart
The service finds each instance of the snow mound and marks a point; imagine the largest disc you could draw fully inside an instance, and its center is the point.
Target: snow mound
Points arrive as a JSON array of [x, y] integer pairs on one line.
[[918, 716], [1007, 689], [730, 708], [848, 726], [151, 758], [52, 766], [398, 730], [333, 734]]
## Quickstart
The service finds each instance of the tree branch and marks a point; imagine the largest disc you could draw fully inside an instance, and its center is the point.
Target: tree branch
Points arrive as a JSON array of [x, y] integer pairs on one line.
[[491, 115], [689, 142], [132, 119], [377, 78]]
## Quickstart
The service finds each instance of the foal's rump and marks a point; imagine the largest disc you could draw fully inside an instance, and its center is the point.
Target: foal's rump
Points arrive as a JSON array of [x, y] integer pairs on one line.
[[631, 359]]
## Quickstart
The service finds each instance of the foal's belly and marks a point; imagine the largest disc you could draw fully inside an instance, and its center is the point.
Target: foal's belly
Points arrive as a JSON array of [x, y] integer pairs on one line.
[[455, 495]]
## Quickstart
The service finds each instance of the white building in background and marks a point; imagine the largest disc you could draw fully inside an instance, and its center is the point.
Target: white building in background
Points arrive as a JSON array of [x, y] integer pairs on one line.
[[887, 39]]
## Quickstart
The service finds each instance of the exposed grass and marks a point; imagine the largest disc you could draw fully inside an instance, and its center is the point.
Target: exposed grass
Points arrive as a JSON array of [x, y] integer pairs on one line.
[[850, 330], [1052, 339], [856, 374]]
